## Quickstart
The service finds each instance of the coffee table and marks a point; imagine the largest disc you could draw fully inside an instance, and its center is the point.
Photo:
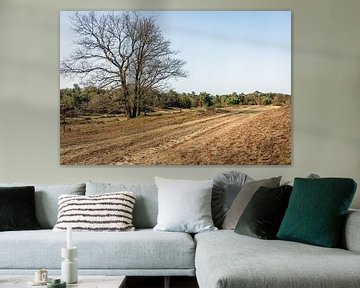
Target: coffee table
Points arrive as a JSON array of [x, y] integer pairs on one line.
[[84, 281]]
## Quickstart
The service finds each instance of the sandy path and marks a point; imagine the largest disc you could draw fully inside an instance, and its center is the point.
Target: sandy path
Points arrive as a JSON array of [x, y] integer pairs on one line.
[[180, 138]]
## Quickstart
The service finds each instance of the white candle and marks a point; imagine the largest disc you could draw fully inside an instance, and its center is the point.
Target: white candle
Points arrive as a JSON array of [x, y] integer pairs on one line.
[[69, 239]]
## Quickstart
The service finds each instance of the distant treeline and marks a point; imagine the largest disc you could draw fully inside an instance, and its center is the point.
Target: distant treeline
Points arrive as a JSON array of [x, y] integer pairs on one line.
[[91, 100]]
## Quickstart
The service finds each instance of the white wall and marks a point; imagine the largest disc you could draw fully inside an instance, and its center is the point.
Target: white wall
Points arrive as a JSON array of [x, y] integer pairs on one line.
[[326, 86]]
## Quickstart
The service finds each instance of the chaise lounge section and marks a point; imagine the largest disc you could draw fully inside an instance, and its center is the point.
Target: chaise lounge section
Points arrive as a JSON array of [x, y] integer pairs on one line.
[[225, 259]]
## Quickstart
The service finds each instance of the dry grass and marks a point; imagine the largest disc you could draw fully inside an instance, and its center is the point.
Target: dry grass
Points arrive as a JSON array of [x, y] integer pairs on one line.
[[253, 135]]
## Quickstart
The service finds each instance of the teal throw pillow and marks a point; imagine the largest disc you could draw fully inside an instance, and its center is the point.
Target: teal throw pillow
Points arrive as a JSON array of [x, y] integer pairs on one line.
[[316, 211]]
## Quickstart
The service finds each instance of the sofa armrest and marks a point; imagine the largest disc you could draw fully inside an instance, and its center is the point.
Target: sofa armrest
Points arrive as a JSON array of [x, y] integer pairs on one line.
[[351, 234]]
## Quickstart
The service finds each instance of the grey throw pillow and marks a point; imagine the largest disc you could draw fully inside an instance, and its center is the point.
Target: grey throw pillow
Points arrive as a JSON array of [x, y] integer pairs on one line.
[[310, 176], [242, 199], [226, 187], [184, 205]]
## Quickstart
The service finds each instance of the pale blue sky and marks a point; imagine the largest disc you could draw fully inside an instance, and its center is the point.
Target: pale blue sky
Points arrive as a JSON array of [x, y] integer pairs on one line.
[[225, 51]]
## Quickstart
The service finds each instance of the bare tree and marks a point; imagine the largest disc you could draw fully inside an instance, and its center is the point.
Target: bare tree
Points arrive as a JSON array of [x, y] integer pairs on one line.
[[121, 50]]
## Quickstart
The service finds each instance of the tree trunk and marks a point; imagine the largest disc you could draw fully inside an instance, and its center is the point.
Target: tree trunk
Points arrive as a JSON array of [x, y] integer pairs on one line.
[[131, 110], [138, 108]]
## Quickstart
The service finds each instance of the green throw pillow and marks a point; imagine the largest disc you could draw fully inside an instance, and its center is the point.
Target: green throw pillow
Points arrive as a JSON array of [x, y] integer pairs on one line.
[[316, 211]]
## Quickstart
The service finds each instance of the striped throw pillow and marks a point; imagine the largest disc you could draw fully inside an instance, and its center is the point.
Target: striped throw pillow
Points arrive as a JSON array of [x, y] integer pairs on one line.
[[105, 212]]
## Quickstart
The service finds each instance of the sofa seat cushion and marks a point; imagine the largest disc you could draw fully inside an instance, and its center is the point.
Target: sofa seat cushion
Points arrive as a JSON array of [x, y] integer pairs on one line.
[[142, 249], [225, 259]]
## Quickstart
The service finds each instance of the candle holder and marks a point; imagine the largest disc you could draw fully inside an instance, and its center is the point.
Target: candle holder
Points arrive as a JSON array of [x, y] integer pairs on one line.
[[68, 265]]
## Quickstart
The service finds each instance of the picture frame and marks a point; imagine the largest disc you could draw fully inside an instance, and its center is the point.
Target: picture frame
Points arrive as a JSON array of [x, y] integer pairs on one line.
[[175, 88]]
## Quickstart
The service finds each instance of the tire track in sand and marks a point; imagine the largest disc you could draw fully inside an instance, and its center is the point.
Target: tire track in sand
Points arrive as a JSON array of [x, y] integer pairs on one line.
[[104, 151], [160, 143]]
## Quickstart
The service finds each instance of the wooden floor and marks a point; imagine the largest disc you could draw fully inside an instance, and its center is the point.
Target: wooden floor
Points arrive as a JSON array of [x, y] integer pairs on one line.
[[158, 282]]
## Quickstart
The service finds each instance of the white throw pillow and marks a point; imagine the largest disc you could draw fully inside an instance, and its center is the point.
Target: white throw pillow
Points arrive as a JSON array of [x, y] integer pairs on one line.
[[184, 205], [105, 212]]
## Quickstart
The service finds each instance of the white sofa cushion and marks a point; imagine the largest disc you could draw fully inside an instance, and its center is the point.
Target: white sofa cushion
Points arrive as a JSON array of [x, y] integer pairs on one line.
[[184, 205]]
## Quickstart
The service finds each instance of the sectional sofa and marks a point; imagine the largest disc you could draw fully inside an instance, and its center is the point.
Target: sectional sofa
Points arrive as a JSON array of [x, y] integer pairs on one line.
[[219, 259]]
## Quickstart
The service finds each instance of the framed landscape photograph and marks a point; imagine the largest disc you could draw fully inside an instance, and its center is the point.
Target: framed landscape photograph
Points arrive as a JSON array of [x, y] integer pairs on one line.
[[175, 88]]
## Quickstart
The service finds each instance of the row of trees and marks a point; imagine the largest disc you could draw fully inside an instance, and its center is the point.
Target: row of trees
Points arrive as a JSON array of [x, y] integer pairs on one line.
[[91, 100]]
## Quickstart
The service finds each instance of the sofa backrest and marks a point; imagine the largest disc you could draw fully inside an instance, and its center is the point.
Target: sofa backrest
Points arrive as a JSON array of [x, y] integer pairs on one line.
[[46, 200], [146, 203], [350, 239]]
